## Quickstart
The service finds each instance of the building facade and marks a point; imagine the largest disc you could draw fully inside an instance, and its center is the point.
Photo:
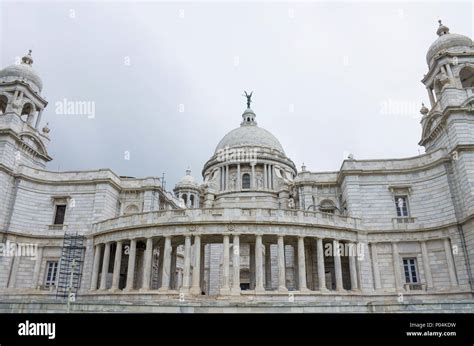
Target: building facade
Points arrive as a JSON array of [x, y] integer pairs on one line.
[[256, 234]]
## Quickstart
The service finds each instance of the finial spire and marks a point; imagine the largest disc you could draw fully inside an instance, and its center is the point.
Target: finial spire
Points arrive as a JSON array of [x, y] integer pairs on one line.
[[27, 59], [442, 29], [423, 109], [188, 171]]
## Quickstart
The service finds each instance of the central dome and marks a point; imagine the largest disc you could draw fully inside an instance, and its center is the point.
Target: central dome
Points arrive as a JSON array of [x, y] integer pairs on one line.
[[249, 134]]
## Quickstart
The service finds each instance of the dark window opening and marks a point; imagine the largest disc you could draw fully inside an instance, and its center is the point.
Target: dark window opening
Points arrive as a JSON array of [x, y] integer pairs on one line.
[[3, 104], [60, 213], [244, 286], [467, 77], [246, 181]]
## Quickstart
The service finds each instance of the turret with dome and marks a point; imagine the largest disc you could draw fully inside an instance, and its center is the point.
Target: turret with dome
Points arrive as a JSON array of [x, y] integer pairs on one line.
[[21, 108], [188, 191], [449, 82]]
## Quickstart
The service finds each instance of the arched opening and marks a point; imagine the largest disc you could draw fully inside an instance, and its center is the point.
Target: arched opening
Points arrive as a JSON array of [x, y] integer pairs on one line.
[[191, 201], [3, 104], [131, 209], [27, 113], [185, 198], [246, 181], [327, 206], [467, 77]]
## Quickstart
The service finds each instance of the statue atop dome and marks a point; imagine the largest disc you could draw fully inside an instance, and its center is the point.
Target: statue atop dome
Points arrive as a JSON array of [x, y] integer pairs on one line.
[[249, 98]]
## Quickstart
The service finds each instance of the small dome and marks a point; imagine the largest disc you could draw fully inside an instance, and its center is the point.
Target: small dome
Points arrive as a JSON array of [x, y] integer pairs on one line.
[[447, 41], [187, 180], [24, 72]]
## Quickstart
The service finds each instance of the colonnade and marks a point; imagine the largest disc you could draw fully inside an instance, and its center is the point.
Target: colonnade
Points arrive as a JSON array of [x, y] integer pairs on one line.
[[260, 267]]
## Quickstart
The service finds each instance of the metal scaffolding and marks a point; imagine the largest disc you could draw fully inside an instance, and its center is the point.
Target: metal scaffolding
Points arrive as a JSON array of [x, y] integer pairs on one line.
[[70, 266]]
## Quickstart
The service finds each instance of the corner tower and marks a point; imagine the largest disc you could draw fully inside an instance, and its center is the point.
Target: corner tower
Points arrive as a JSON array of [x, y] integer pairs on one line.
[[21, 108], [449, 82]]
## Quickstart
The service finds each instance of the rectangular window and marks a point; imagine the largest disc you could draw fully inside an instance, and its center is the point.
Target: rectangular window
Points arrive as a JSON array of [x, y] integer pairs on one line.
[[51, 273], [60, 213], [411, 271], [401, 203]]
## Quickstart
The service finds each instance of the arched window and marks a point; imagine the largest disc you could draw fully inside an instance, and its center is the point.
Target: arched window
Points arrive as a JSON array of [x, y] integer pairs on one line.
[[327, 206], [185, 198], [246, 181], [131, 209], [27, 112], [467, 77], [191, 201], [3, 104]]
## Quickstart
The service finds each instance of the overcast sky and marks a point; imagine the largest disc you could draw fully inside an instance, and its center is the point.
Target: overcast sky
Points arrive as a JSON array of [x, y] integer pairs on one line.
[[166, 79]]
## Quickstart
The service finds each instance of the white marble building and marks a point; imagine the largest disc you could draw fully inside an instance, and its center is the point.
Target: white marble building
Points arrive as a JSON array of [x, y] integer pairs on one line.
[[256, 234]]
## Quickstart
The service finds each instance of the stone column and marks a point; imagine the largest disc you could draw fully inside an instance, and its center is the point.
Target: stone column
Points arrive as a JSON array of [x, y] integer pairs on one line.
[[38, 118], [227, 177], [271, 177], [449, 71], [37, 268], [337, 265], [147, 264], [281, 265], [105, 267], [396, 266], [187, 263], [160, 262], [239, 178], [165, 277], [252, 266], [426, 265], [301, 265], [196, 288], [268, 267], [236, 265], [252, 178], [265, 178], [225, 289], [95, 267], [259, 264], [321, 270], [173, 281], [117, 265], [450, 262], [221, 169], [353, 267], [375, 266], [431, 97], [203, 268], [131, 265]]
